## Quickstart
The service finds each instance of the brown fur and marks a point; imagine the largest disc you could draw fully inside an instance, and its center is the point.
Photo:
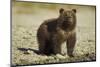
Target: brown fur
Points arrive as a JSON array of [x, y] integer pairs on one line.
[[53, 32]]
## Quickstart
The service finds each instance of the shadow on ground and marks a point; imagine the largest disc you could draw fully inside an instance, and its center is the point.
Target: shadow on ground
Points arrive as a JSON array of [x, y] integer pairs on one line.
[[25, 50]]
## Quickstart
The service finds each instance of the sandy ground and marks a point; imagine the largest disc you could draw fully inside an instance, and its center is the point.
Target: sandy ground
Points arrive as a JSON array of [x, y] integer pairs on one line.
[[25, 22]]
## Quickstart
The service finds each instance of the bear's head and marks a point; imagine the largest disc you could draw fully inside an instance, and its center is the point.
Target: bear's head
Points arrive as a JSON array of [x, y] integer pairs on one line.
[[67, 17]]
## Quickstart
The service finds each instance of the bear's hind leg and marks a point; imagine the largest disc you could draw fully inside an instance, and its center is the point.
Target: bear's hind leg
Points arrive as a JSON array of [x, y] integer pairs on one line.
[[42, 46], [48, 48]]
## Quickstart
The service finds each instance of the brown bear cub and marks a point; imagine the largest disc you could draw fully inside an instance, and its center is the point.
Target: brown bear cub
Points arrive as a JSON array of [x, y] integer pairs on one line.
[[53, 32]]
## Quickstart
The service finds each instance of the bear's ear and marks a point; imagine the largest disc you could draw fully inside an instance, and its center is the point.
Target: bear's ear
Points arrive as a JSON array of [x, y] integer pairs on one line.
[[61, 10], [74, 10]]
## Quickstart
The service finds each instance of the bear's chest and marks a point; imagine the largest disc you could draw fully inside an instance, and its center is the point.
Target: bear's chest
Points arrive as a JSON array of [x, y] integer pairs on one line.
[[63, 35]]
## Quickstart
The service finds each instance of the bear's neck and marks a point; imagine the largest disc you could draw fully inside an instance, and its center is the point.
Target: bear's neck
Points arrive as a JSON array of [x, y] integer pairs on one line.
[[66, 27]]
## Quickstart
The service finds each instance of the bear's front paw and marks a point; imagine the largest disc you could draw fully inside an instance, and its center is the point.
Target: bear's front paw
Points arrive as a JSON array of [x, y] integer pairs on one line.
[[70, 55]]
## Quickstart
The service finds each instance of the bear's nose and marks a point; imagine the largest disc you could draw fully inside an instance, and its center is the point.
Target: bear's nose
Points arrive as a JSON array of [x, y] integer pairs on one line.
[[67, 16]]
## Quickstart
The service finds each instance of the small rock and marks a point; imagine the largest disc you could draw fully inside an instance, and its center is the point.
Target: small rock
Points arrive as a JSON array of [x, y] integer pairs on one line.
[[90, 40], [26, 52], [31, 52], [60, 56]]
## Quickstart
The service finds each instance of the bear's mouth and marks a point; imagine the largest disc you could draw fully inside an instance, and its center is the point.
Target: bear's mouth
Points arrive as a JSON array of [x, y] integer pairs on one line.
[[68, 22]]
